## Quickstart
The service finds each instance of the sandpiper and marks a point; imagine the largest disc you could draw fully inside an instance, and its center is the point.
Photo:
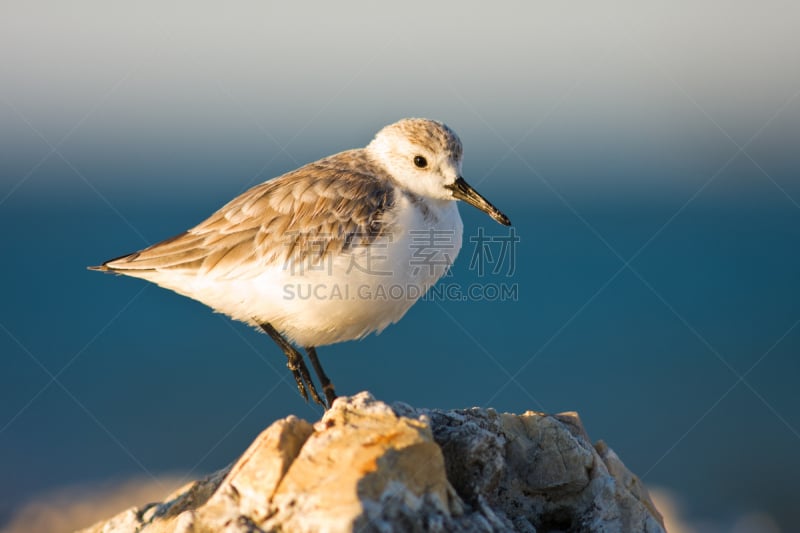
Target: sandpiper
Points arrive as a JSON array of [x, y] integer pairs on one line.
[[304, 256]]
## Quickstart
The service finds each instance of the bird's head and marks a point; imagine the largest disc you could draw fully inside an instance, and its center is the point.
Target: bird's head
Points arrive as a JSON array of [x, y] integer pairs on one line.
[[424, 156]]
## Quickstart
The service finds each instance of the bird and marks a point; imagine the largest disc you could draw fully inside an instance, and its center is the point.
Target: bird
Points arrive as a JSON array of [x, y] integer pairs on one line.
[[330, 252]]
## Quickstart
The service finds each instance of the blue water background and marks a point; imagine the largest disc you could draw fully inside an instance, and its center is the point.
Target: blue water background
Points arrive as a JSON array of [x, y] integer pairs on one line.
[[650, 356]]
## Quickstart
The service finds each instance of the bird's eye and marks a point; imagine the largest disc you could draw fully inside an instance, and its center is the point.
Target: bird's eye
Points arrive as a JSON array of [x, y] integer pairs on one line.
[[420, 161]]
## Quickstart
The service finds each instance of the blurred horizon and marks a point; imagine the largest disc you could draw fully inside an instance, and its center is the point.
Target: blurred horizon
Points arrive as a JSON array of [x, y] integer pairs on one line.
[[646, 153]]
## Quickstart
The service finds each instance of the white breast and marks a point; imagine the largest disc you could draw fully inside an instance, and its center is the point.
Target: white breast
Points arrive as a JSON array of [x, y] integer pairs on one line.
[[363, 292]]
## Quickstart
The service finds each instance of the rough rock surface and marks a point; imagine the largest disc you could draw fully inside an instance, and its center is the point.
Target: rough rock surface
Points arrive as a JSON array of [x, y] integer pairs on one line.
[[370, 467]]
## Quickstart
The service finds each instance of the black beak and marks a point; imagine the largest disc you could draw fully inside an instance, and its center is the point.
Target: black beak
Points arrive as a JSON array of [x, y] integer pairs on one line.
[[464, 191]]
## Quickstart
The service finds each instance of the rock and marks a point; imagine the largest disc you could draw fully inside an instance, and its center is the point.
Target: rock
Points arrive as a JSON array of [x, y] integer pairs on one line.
[[370, 467]]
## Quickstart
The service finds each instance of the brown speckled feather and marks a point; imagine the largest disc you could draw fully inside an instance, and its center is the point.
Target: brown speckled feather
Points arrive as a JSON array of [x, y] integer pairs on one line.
[[300, 216]]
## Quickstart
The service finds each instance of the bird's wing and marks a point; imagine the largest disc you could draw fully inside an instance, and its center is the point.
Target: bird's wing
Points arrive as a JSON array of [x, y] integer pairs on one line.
[[326, 207]]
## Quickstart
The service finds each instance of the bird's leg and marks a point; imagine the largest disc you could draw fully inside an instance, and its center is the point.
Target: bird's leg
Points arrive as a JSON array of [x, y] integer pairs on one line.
[[296, 364], [327, 386]]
